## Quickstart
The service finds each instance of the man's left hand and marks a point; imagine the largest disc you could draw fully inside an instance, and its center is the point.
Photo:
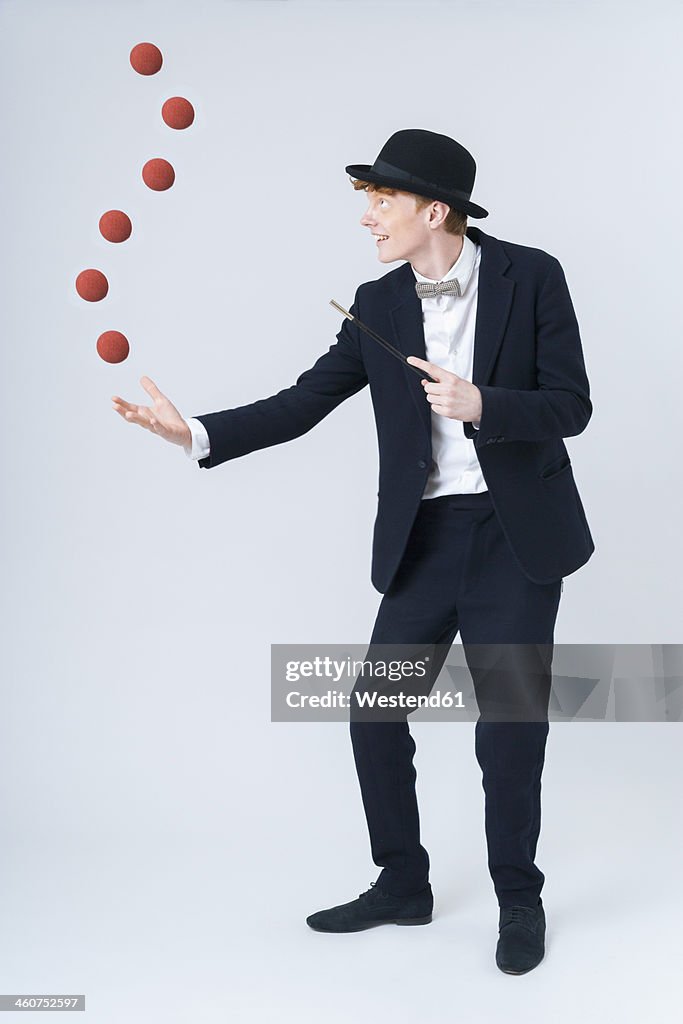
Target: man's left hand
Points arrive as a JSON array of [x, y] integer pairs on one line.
[[451, 396]]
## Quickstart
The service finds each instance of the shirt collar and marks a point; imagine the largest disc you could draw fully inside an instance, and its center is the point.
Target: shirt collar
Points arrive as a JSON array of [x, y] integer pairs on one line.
[[462, 268]]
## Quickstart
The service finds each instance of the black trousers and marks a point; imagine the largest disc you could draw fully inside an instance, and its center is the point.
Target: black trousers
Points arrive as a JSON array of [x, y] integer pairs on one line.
[[459, 574]]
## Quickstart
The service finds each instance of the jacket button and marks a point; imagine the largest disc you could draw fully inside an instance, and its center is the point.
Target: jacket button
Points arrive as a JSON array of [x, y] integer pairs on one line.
[[422, 464]]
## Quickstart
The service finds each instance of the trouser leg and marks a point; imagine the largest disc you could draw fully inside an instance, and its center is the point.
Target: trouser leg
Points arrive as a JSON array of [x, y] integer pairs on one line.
[[507, 625], [511, 757], [383, 753], [418, 613]]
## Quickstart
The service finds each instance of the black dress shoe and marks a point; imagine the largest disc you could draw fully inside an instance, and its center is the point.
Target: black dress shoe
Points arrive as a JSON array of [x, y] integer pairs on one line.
[[521, 945], [372, 908]]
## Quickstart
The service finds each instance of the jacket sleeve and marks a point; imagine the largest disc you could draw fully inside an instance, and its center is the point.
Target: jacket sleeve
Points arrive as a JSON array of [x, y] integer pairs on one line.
[[560, 406], [336, 375]]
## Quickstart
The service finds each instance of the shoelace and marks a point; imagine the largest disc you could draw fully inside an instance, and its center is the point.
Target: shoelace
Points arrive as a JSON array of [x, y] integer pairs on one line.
[[519, 915], [369, 891]]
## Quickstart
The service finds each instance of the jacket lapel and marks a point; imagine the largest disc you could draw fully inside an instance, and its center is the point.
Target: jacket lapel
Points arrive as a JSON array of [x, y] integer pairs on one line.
[[494, 301], [406, 317]]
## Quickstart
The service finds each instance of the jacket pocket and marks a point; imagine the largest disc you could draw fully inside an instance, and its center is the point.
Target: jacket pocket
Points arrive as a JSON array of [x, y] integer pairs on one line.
[[554, 468]]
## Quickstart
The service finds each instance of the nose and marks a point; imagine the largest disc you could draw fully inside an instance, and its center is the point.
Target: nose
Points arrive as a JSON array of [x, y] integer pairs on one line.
[[367, 219]]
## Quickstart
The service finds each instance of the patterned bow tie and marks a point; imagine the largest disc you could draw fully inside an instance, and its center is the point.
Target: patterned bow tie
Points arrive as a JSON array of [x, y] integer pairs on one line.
[[425, 289]]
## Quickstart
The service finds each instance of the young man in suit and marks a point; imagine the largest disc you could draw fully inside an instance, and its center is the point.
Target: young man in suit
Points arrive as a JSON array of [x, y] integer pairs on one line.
[[478, 520]]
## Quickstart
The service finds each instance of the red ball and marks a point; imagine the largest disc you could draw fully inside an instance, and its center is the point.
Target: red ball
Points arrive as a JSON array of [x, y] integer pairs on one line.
[[158, 174], [92, 285], [113, 347], [146, 58], [115, 226], [178, 112]]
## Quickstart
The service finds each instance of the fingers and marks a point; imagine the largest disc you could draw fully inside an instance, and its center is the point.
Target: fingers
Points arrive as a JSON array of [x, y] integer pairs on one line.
[[440, 375], [448, 388], [150, 387], [449, 384], [136, 414], [123, 403], [437, 372], [438, 405]]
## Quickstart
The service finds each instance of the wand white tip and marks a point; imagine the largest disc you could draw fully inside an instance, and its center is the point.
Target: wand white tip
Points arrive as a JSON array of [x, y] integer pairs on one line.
[[341, 309]]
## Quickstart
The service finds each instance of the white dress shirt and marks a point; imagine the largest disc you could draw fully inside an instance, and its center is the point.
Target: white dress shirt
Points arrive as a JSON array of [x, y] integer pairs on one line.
[[449, 342]]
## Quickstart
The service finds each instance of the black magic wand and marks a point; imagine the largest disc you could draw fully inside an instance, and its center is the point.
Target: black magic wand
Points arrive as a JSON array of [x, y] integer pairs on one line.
[[385, 344]]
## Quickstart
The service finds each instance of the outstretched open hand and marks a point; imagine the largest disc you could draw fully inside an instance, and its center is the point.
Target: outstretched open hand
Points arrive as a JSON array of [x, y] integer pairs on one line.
[[162, 417]]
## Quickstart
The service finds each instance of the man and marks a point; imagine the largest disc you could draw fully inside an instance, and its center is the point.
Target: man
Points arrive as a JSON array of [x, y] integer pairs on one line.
[[478, 520]]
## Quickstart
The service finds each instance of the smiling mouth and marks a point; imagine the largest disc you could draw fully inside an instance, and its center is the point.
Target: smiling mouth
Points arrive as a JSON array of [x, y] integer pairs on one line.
[[381, 238]]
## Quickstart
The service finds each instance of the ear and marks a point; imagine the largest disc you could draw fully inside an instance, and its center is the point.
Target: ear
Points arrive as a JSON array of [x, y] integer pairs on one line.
[[438, 212]]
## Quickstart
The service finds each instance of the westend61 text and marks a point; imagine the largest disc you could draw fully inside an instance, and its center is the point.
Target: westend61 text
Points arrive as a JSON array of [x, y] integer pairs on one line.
[[371, 699]]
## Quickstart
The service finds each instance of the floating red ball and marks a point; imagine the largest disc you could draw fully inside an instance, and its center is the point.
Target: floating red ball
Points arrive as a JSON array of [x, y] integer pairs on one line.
[[113, 347], [146, 58], [158, 174], [178, 112], [115, 226], [92, 285]]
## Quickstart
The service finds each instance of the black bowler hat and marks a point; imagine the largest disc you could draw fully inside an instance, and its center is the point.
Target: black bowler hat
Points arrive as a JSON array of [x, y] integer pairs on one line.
[[430, 165]]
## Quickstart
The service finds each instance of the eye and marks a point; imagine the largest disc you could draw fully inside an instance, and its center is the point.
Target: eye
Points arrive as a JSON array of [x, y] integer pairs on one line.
[[382, 201]]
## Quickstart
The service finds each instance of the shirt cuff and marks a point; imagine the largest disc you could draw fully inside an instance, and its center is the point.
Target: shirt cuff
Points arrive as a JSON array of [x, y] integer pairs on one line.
[[200, 440]]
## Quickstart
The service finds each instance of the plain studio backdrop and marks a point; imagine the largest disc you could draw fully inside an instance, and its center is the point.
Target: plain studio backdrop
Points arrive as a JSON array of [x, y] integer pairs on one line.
[[161, 840]]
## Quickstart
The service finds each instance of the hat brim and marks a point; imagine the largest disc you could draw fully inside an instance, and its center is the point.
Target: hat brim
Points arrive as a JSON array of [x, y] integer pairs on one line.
[[364, 172]]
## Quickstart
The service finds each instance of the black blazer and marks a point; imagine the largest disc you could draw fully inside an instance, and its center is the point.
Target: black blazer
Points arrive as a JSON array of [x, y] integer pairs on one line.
[[529, 367]]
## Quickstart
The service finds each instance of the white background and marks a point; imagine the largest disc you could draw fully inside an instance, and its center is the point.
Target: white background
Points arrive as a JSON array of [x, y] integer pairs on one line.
[[161, 842]]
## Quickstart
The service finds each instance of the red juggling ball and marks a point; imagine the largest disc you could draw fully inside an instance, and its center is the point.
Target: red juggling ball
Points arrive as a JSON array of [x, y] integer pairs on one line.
[[115, 226], [146, 58], [178, 112], [113, 347], [92, 285], [158, 174]]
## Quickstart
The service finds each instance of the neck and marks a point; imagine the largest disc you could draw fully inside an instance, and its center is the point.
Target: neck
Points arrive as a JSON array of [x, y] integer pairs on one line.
[[436, 263]]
